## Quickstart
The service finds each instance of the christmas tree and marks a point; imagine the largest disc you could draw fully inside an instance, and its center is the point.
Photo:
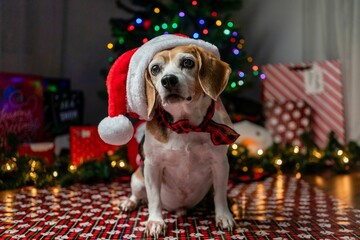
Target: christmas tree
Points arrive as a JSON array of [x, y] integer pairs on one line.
[[207, 20]]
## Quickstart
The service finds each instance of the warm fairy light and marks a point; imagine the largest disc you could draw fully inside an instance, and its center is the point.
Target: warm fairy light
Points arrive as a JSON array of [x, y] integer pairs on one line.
[[316, 153], [121, 164], [255, 68], [156, 10], [72, 168], [340, 152], [8, 167], [296, 149], [278, 161], [249, 59], [234, 152], [242, 41], [234, 146], [298, 176], [55, 174], [260, 152], [33, 175], [113, 163], [245, 169], [345, 159], [218, 23], [110, 45]]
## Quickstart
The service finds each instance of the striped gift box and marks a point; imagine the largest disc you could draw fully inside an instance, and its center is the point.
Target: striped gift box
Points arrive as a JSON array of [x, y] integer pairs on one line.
[[317, 83]]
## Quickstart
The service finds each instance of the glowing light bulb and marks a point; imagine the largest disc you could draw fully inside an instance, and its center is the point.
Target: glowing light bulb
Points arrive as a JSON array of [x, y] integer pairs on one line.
[[296, 148], [218, 23], [195, 35], [340, 152], [201, 21], [181, 14], [262, 76], [156, 10], [278, 161], [234, 146], [138, 20], [110, 46], [230, 24], [205, 31], [194, 3], [55, 174], [260, 152]]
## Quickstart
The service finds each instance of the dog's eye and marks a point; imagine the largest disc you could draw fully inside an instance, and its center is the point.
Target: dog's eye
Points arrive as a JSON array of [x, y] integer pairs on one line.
[[155, 69], [188, 63]]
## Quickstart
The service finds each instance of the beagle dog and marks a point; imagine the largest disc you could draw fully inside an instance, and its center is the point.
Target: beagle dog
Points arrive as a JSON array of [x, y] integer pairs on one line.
[[183, 84]]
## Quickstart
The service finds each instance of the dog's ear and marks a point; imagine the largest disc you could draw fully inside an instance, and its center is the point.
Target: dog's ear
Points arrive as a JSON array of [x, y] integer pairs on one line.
[[150, 93], [213, 73]]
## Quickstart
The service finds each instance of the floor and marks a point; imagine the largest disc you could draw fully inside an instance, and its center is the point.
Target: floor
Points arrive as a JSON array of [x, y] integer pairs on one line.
[[279, 207], [345, 187]]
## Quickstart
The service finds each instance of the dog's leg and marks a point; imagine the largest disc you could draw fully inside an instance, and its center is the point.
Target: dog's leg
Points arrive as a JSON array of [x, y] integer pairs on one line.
[[220, 171], [138, 191], [155, 224]]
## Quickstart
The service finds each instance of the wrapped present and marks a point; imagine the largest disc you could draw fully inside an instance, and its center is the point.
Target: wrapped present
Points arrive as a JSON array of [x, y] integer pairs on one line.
[[21, 107], [288, 120], [319, 84], [86, 144], [44, 150]]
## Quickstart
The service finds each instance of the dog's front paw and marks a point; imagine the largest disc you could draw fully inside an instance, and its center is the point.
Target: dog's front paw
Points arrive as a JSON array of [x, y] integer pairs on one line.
[[225, 220], [127, 205], [155, 228]]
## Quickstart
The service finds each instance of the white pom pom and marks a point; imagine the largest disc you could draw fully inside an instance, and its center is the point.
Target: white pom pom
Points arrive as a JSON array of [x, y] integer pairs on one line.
[[116, 130]]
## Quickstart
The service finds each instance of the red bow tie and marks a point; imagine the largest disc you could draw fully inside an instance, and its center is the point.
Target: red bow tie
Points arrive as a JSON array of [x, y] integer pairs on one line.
[[220, 133]]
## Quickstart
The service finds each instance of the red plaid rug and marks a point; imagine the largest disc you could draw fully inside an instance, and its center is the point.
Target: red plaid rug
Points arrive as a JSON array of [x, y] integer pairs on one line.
[[279, 207]]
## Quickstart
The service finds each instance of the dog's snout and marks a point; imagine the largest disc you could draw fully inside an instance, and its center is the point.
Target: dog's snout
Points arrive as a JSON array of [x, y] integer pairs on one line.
[[169, 81]]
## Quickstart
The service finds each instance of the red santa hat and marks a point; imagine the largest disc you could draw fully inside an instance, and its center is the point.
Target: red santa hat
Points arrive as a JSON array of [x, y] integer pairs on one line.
[[126, 86]]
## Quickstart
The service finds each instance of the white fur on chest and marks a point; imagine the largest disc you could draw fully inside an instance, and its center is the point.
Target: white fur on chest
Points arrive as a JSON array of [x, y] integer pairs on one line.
[[186, 162]]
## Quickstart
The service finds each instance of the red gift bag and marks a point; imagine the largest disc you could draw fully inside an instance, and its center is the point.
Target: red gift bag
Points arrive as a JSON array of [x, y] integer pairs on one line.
[[319, 84], [86, 144]]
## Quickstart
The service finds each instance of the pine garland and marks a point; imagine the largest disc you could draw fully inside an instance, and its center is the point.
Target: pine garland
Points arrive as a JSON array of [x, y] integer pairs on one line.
[[19, 171]]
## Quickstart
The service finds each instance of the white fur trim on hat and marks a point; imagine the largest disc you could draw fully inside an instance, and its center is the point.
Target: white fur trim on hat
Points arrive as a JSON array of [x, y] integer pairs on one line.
[[116, 130], [135, 84]]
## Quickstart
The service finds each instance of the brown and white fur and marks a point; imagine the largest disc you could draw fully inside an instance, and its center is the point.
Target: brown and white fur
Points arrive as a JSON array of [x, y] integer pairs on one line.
[[180, 169]]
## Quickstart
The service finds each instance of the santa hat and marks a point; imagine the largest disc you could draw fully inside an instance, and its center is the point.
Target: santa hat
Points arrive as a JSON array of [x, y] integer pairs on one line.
[[126, 86]]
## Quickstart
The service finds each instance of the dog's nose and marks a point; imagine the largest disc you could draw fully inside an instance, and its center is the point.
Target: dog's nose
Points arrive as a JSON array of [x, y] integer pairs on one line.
[[169, 81]]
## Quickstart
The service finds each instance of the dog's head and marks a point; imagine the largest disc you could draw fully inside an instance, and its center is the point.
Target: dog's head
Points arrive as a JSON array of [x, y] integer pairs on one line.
[[183, 75]]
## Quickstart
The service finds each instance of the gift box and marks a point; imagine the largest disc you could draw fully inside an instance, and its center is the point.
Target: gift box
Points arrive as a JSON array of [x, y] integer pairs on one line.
[[21, 107], [86, 144], [319, 84], [44, 150]]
